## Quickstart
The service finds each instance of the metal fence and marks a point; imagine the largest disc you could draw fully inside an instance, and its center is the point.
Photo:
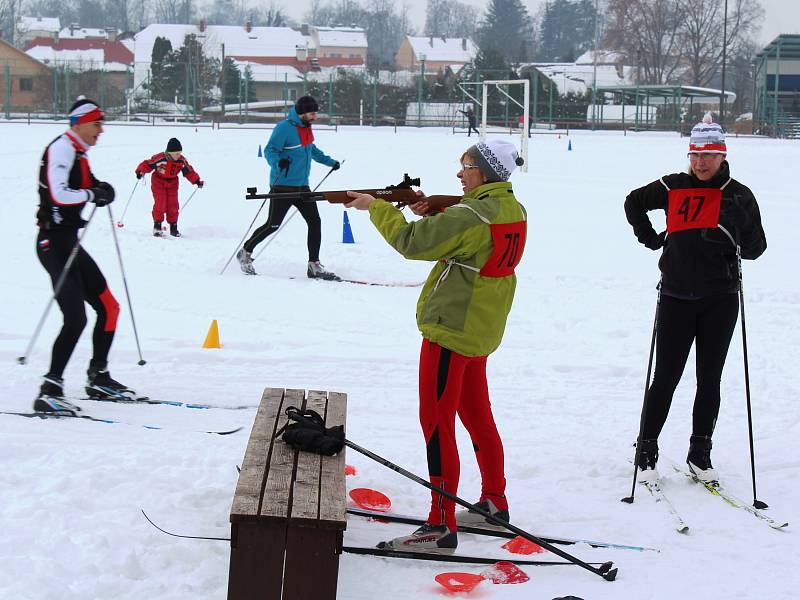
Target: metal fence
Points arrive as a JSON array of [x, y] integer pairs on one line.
[[204, 92]]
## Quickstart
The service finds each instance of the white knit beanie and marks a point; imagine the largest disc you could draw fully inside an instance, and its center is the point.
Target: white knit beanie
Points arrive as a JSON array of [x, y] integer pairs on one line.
[[707, 137], [496, 159]]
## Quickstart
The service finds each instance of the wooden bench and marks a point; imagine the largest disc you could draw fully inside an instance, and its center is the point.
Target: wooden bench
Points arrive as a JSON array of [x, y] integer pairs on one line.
[[289, 511]]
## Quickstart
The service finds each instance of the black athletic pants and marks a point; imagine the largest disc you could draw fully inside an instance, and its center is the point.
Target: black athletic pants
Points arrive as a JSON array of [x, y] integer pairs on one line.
[[84, 283], [709, 322], [277, 212]]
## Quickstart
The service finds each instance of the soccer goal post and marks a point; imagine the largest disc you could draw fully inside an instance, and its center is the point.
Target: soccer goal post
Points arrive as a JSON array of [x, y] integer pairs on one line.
[[502, 87]]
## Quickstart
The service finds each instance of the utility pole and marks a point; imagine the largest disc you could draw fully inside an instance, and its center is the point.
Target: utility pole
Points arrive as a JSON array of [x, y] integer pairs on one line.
[[594, 57], [724, 53]]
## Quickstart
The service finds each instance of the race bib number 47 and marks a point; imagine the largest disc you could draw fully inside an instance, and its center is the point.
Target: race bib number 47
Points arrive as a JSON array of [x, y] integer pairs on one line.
[[693, 208]]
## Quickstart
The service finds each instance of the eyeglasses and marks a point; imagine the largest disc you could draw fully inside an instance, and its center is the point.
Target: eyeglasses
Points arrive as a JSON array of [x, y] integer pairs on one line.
[[703, 155], [175, 154], [468, 167]]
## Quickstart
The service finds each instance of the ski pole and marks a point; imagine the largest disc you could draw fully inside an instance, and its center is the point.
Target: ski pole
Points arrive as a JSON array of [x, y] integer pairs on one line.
[[189, 199], [605, 571], [125, 283], [244, 237], [285, 221], [629, 499], [73, 254], [121, 222], [756, 502]]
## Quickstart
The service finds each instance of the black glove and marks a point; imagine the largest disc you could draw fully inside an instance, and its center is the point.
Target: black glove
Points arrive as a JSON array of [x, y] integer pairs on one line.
[[735, 214], [200, 183], [657, 241], [139, 175], [103, 193], [283, 164], [336, 166]]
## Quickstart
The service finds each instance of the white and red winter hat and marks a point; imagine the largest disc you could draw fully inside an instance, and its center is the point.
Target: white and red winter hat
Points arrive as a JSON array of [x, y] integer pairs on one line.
[[708, 137], [496, 159]]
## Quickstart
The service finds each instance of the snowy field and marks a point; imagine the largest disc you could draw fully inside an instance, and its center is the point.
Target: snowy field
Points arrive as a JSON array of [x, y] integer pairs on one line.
[[566, 383]]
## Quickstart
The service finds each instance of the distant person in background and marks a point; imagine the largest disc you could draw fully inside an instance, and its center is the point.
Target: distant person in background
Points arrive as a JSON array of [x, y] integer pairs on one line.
[[471, 119], [461, 313], [166, 166], [708, 214], [66, 184], [289, 153]]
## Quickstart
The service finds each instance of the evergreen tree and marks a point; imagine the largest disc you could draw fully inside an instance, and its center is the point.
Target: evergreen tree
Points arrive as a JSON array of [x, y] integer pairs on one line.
[[507, 29], [567, 30], [159, 69], [237, 81]]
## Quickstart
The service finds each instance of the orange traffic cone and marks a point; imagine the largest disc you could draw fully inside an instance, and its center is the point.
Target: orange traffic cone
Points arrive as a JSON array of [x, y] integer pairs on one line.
[[212, 337]]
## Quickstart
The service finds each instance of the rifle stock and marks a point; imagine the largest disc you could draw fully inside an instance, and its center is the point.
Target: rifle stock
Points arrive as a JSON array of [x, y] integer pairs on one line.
[[399, 196]]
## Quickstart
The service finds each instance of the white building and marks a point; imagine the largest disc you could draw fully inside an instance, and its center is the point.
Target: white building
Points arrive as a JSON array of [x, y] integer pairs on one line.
[[579, 77], [29, 28], [247, 44]]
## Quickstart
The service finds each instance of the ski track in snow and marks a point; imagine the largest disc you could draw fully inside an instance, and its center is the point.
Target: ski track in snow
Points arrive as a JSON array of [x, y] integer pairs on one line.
[[566, 384]]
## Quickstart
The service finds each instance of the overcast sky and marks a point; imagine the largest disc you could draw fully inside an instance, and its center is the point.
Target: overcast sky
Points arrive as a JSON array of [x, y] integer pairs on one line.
[[782, 16]]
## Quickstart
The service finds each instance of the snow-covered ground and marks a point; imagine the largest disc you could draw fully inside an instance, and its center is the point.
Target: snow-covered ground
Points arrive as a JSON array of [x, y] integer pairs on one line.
[[566, 383]]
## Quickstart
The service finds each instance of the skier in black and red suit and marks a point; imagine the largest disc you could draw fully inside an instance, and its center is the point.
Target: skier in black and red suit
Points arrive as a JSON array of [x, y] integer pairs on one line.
[[66, 184], [167, 166]]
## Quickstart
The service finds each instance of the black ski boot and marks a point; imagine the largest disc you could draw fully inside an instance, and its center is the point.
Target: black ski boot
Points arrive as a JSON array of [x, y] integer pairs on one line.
[[157, 229], [699, 459], [318, 271], [101, 386], [51, 397], [173, 230], [646, 462]]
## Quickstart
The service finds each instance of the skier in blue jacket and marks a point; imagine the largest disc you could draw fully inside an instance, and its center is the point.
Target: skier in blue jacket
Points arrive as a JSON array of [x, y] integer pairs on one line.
[[289, 153]]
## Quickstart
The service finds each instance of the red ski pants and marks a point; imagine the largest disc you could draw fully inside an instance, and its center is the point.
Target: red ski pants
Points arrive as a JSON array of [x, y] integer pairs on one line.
[[165, 198], [450, 383]]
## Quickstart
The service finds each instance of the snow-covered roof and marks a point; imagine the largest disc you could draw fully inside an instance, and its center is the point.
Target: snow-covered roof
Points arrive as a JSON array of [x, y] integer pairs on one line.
[[605, 57], [571, 77], [270, 73], [450, 50], [81, 33], [51, 24], [259, 41], [341, 37], [92, 59]]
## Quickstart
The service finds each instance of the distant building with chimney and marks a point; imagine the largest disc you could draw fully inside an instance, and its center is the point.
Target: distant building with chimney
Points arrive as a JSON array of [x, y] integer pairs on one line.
[[438, 53]]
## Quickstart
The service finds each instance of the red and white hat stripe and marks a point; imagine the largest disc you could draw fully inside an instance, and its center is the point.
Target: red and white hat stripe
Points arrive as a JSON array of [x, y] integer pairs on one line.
[[707, 137], [86, 113]]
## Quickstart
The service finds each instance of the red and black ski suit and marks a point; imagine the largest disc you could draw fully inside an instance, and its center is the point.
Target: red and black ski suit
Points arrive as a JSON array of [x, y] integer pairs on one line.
[[164, 183], [65, 182]]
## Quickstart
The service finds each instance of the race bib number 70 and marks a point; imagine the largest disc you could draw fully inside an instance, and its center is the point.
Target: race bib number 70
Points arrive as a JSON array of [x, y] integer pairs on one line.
[[693, 208]]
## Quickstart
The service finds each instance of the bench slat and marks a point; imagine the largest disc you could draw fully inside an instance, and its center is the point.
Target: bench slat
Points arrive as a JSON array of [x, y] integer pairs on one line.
[[332, 491], [305, 498], [247, 499], [275, 503]]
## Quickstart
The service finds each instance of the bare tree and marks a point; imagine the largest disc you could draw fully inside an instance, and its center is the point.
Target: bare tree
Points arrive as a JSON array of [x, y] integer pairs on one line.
[[650, 33], [173, 11], [450, 18], [703, 34], [9, 10]]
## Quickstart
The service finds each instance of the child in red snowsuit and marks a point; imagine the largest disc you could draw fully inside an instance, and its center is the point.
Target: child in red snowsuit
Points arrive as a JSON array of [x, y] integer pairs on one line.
[[164, 183]]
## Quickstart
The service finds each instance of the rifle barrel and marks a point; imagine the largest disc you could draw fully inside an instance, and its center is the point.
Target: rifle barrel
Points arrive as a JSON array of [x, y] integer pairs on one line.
[[400, 196]]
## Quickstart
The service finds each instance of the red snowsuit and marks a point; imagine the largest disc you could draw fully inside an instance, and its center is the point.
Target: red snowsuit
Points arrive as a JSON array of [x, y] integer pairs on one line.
[[164, 183]]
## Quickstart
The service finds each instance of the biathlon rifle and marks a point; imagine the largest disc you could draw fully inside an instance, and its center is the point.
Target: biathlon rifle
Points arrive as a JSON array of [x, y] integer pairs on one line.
[[401, 195]]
